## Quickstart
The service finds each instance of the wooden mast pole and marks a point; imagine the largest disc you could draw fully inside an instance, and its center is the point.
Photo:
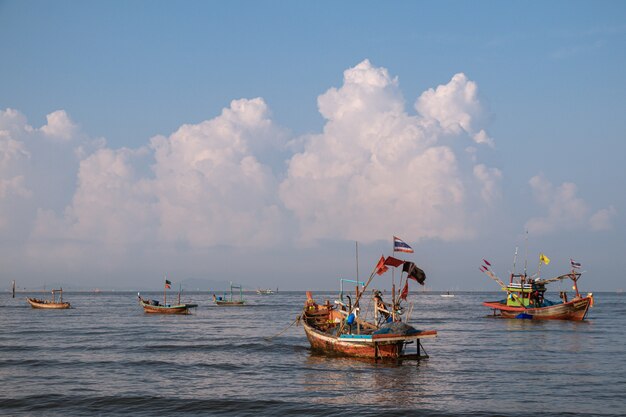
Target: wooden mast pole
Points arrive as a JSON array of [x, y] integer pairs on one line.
[[356, 244], [393, 286], [164, 291]]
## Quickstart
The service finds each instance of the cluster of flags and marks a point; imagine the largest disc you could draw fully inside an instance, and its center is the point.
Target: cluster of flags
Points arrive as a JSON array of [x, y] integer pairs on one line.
[[542, 258], [412, 271], [485, 266]]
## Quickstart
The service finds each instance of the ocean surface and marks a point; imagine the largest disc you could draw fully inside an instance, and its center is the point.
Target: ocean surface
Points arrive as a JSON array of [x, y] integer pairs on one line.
[[106, 357]]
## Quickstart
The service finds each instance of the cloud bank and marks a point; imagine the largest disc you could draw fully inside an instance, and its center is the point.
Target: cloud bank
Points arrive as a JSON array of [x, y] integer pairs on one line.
[[377, 170], [374, 170], [565, 210]]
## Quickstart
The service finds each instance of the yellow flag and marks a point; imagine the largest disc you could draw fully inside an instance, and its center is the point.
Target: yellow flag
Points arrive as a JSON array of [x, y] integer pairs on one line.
[[543, 258]]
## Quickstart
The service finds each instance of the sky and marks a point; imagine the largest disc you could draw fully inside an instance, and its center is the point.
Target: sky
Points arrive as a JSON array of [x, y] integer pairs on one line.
[[261, 142]]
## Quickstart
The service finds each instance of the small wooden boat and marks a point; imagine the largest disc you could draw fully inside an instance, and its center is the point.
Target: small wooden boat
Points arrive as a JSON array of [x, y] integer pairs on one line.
[[323, 329], [339, 330], [525, 298], [155, 307], [50, 304], [228, 301]]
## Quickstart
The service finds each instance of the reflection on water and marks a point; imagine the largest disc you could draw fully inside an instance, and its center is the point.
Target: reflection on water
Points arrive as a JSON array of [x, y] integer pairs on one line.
[[106, 349]]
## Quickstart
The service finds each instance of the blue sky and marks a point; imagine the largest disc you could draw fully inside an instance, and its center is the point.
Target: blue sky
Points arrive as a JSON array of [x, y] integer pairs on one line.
[[256, 141]]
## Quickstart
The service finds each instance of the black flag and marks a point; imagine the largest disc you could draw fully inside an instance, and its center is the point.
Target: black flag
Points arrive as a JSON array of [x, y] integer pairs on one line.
[[414, 272]]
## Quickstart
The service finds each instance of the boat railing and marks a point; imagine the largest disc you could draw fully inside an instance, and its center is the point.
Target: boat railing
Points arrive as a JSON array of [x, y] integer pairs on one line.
[[518, 285]]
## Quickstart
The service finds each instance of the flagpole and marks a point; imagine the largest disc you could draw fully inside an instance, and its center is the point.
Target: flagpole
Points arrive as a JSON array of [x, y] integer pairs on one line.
[[393, 284], [356, 243], [526, 256], [164, 291]]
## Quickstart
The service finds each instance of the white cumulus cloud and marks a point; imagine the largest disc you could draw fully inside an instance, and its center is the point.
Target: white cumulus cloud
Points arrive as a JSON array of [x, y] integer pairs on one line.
[[565, 209], [59, 126], [211, 188], [456, 107], [376, 169]]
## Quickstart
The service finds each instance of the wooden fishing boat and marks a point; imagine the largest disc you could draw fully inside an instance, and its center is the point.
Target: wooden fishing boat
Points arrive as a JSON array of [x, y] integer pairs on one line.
[[229, 301], [155, 307], [50, 304], [525, 297], [323, 329], [340, 329]]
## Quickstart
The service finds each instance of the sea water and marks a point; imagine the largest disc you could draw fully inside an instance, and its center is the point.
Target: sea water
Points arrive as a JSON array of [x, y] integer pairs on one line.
[[106, 357]]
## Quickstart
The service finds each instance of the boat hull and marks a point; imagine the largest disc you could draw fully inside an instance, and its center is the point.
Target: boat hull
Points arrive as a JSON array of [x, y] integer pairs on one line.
[[573, 310], [383, 346], [229, 303], [43, 304], [177, 309]]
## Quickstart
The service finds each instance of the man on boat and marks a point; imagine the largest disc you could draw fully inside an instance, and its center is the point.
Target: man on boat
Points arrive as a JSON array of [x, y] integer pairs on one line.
[[381, 307]]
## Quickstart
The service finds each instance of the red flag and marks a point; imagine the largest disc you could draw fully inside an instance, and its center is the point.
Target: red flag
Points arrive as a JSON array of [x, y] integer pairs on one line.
[[487, 262], [391, 261], [405, 291], [380, 267], [482, 269]]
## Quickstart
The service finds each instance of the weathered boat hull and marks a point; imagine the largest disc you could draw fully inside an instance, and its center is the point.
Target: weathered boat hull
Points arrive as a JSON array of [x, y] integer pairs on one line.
[[573, 310], [229, 303], [383, 346], [43, 304], [177, 309]]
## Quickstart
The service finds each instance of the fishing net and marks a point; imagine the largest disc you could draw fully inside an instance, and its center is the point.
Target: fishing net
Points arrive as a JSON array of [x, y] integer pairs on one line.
[[396, 328]]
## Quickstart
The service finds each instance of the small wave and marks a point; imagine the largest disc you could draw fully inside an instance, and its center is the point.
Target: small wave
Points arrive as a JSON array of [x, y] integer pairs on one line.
[[152, 405]]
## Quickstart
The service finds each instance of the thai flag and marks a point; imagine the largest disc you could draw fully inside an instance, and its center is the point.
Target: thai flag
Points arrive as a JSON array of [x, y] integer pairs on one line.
[[574, 263], [400, 245]]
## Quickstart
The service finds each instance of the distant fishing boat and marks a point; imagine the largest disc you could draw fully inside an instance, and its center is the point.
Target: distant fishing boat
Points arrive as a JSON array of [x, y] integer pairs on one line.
[[342, 329], [155, 307], [229, 301], [525, 297], [264, 291], [50, 304], [447, 295]]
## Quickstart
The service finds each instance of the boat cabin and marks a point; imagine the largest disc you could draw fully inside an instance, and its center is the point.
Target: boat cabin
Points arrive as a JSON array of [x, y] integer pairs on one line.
[[524, 292]]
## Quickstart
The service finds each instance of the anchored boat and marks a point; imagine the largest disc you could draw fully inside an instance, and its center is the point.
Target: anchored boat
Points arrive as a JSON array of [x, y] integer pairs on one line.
[[50, 304], [229, 301], [525, 296], [155, 307], [343, 329]]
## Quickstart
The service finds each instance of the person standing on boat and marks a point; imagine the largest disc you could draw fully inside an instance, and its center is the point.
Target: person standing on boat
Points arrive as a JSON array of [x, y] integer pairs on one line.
[[381, 307]]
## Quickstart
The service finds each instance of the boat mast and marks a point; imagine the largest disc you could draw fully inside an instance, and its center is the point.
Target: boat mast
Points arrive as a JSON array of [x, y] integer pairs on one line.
[[393, 286], [356, 244], [526, 255]]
